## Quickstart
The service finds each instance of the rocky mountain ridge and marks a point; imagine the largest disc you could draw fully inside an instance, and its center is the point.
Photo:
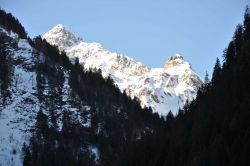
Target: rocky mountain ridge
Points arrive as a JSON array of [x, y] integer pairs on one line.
[[163, 89]]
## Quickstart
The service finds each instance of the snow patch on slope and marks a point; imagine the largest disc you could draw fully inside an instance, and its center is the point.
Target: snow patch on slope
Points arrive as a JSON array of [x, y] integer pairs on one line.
[[18, 112], [17, 115]]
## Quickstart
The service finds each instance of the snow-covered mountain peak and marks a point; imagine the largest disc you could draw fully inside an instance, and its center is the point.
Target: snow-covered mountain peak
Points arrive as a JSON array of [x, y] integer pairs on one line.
[[62, 37], [176, 57], [162, 89], [177, 65], [175, 61]]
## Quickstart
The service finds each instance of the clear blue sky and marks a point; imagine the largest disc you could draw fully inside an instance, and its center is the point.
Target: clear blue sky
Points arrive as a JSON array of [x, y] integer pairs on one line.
[[147, 30]]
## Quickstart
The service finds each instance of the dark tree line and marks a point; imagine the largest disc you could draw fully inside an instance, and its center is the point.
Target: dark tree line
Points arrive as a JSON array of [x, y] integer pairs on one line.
[[4, 66], [10, 23], [215, 128], [48, 146]]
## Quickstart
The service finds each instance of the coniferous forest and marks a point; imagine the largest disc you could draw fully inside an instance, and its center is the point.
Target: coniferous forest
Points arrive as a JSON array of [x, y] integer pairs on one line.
[[214, 129]]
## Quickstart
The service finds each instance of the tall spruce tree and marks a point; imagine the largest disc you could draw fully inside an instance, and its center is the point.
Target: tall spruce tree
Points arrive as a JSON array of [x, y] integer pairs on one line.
[[216, 72]]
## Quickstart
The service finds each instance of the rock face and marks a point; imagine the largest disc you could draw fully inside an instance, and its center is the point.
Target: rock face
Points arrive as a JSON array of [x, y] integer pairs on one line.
[[162, 89]]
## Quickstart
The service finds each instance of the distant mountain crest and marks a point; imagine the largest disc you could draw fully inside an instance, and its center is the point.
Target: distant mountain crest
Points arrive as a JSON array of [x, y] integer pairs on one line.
[[61, 36], [162, 89], [176, 56]]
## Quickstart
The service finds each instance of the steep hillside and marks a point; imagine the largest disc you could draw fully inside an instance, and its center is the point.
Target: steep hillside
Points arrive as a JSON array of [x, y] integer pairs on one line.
[[21, 95]]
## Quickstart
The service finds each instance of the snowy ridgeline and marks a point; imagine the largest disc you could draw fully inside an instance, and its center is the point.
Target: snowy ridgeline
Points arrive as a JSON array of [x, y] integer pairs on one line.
[[19, 109], [162, 89]]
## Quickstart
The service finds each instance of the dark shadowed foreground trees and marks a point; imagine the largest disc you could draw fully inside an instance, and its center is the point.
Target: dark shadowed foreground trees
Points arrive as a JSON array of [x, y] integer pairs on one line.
[[216, 128]]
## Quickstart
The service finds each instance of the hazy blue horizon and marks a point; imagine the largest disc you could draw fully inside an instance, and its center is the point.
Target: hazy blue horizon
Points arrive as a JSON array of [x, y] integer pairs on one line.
[[147, 31]]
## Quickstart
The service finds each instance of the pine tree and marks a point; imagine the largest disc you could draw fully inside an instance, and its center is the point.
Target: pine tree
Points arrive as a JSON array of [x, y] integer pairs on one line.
[[216, 72], [246, 23], [206, 79], [11, 23], [42, 126], [4, 71], [238, 39], [169, 119], [27, 155], [229, 55]]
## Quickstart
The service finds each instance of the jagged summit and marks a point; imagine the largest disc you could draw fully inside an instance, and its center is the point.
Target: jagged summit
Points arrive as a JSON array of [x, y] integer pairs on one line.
[[162, 89], [176, 56], [60, 27], [174, 60], [176, 64], [61, 36]]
